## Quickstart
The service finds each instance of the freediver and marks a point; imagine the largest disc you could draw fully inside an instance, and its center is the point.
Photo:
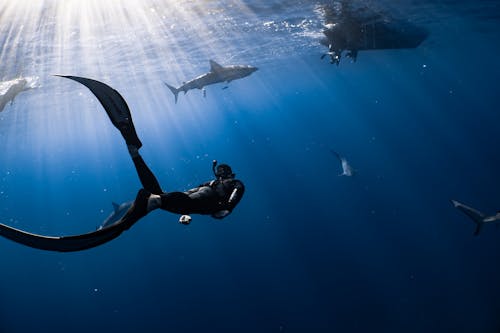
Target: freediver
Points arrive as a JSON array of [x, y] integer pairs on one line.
[[216, 198]]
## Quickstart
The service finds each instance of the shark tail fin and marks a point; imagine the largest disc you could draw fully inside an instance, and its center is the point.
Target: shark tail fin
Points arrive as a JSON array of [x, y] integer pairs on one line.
[[472, 213], [174, 91]]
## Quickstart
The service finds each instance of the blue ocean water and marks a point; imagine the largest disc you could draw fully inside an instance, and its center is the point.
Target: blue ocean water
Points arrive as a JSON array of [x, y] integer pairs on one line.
[[305, 250]]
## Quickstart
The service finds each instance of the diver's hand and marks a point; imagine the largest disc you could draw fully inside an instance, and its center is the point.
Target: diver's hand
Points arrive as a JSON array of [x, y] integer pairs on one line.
[[221, 214], [185, 219]]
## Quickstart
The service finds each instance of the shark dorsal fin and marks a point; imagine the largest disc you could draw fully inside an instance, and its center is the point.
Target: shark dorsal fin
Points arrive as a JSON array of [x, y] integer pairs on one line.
[[115, 206], [215, 67]]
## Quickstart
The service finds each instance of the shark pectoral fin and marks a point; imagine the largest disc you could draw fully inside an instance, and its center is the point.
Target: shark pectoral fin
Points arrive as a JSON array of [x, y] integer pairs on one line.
[[478, 229], [116, 206]]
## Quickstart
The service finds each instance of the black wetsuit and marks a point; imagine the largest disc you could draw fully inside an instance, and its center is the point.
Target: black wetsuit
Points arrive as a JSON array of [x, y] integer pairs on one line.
[[208, 198]]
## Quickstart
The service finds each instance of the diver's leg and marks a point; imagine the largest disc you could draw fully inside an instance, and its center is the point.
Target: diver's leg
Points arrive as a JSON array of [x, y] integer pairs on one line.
[[174, 202], [138, 210], [181, 203], [146, 176], [129, 134]]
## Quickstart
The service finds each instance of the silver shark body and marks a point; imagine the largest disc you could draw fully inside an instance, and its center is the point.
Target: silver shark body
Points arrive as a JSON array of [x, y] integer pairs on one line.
[[347, 169], [217, 74], [119, 211], [10, 89], [479, 218]]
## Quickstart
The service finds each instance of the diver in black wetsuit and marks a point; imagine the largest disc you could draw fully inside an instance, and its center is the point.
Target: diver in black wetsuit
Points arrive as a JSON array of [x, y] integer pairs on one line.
[[216, 198]]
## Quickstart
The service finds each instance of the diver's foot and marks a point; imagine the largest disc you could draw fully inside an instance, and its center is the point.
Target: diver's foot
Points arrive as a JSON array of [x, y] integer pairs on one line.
[[140, 206], [128, 132], [141, 200], [137, 211], [133, 151]]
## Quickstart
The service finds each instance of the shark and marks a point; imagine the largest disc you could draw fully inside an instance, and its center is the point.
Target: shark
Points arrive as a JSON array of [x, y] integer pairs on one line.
[[476, 216], [119, 211], [217, 74], [10, 89], [347, 169]]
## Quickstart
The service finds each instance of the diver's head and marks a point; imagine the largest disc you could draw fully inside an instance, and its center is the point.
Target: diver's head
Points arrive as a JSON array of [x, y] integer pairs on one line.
[[224, 171]]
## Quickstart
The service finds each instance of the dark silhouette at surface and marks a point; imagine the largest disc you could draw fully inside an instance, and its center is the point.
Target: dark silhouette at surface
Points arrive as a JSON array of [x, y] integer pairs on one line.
[[348, 30]]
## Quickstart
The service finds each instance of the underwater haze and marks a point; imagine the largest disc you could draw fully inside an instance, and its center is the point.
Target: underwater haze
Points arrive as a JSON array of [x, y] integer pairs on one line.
[[306, 250]]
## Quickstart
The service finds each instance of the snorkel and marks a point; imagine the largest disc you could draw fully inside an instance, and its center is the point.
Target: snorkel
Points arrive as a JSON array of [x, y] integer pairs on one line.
[[214, 165], [222, 171]]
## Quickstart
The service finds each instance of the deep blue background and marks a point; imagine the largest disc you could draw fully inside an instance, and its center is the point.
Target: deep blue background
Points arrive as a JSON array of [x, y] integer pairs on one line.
[[306, 250]]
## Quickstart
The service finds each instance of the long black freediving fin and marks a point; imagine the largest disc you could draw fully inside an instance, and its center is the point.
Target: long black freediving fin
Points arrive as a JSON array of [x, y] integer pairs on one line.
[[84, 241], [60, 244], [114, 105]]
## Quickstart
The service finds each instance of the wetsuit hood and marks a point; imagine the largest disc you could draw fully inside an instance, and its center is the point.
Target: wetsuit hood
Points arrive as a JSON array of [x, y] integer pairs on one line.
[[224, 171]]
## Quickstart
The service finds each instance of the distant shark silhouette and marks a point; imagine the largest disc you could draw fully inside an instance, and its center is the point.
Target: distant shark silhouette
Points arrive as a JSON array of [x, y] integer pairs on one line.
[[479, 218], [347, 169], [10, 89], [217, 74], [118, 211]]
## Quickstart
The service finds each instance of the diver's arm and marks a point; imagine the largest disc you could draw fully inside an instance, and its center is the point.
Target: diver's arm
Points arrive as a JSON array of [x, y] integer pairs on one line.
[[236, 195], [221, 214], [233, 200], [196, 189]]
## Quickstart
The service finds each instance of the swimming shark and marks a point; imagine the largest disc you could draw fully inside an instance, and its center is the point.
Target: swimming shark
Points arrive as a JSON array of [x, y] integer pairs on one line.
[[119, 211], [217, 74], [10, 89], [479, 218], [347, 169]]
